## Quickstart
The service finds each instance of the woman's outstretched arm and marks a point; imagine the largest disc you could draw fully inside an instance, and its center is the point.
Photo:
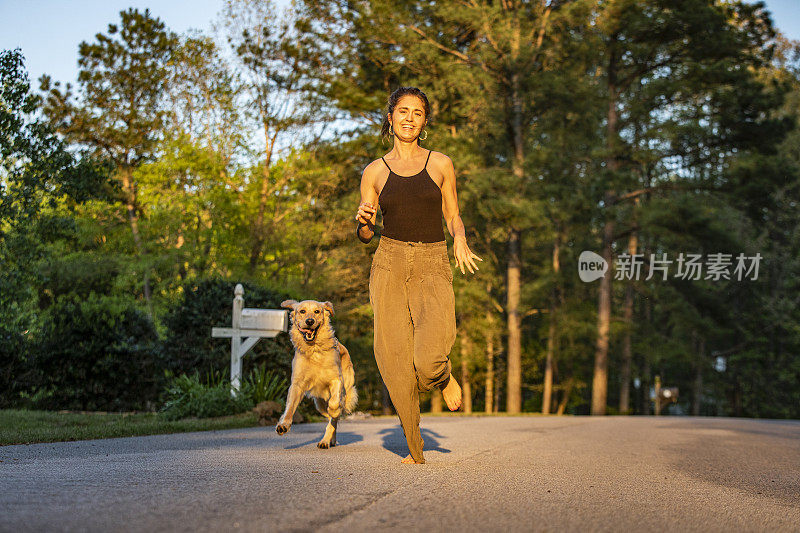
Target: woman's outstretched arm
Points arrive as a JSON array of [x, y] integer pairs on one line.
[[367, 210], [464, 256]]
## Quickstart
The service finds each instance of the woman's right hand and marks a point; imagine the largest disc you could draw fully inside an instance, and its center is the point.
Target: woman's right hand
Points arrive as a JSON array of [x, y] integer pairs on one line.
[[365, 212]]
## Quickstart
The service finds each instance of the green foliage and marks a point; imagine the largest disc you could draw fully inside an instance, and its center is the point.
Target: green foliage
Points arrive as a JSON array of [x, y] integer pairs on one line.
[[189, 396], [78, 274], [122, 81], [206, 303], [263, 385], [35, 165], [13, 348], [97, 353]]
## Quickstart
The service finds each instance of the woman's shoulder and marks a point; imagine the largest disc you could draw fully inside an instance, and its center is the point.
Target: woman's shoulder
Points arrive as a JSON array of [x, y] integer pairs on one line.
[[438, 159], [373, 166], [438, 155]]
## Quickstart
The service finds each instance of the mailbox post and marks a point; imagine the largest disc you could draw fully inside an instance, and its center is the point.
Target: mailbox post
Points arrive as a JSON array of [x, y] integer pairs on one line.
[[248, 327]]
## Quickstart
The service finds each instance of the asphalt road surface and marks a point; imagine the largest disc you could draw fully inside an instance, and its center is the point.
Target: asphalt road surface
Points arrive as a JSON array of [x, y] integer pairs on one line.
[[483, 474]]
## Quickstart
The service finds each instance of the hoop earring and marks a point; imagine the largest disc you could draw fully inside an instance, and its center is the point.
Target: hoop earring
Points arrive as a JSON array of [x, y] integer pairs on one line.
[[391, 131], [426, 135]]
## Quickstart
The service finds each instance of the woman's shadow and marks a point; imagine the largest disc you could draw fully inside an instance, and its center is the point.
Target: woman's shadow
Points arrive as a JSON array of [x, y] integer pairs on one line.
[[394, 440]]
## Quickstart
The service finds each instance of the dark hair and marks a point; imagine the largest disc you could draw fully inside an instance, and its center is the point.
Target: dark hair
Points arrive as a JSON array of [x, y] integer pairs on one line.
[[395, 97]]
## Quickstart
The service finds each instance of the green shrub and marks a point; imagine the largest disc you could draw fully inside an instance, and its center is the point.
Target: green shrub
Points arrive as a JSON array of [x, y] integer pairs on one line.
[[207, 303], [98, 353], [13, 367], [263, 385], [77, 274], [188, 396]]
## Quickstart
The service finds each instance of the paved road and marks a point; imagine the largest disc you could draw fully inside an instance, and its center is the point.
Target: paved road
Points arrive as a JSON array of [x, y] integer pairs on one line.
[[483, 474]]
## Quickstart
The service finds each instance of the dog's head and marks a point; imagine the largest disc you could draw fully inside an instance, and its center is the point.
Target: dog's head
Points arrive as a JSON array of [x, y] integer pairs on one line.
[[307, 316]]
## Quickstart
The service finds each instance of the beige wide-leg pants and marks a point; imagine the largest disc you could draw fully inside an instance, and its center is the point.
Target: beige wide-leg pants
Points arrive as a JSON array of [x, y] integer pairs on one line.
[[411, 292]]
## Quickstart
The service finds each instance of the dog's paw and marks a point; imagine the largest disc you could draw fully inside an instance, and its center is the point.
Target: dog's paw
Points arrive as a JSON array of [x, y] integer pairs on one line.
[[282, 428], [322, 445]]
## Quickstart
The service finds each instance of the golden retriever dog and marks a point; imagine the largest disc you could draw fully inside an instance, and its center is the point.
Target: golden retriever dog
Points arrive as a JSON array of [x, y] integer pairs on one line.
[[321, 368]]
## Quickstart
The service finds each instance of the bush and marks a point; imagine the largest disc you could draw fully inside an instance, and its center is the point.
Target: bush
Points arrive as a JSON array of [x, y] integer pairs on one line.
[[186, 396], [207, 303], [77, 274], [262, 385], [13, 364], [100, 353], [189, 396]]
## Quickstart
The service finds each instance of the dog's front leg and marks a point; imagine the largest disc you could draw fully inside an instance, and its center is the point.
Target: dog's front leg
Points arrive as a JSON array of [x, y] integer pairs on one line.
[[292, 401], [335, 402], [334, 411], [329, 439]]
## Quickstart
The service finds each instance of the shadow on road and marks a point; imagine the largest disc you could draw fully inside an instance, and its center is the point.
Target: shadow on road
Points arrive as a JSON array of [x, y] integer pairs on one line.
[[394, 440], [342, 439]]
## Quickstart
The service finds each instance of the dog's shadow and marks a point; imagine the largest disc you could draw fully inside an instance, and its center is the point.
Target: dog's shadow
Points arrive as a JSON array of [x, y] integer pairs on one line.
[[343, 438], [394, 440]]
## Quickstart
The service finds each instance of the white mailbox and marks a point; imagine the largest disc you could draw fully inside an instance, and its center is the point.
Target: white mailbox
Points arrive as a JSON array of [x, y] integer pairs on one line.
[[249, 325], [270, 319]]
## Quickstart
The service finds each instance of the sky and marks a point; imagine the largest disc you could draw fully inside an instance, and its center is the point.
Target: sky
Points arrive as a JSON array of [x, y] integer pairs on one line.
[[49, 31]]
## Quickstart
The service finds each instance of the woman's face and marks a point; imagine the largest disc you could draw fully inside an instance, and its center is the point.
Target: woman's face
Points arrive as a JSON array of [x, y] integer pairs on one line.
[[408, 118]]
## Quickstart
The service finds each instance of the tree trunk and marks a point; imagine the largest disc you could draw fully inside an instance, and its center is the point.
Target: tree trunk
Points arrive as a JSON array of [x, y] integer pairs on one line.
[[565, 396], [259, 225], [497, 399], [552, 329], [489, 396], [600, 379], [548, 364], [697, 386], [514, 365], [657, 390], [627, 354], [130, 203], [436, 401], [646, 364], [466, 386], [498, 373]]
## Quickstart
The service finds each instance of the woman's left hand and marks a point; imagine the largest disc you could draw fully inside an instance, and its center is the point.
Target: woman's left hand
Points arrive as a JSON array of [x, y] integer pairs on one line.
[[464, 255]]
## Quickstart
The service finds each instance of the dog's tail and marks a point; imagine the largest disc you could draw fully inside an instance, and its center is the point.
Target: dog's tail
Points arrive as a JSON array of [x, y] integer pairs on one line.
[[349, 376]]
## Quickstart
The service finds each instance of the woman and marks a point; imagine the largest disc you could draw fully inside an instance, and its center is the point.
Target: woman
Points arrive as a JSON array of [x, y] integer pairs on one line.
[[410, 281]]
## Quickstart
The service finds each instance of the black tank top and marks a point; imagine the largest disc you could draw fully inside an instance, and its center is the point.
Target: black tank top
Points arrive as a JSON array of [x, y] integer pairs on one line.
[[411, 207]]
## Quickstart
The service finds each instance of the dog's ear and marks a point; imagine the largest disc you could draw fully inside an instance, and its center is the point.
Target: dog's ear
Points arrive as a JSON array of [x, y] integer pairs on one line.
[[328, 307], [289, 304]]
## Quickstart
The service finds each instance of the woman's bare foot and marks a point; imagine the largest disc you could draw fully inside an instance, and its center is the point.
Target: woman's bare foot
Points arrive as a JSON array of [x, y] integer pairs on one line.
[[409, 460], [452, 394]]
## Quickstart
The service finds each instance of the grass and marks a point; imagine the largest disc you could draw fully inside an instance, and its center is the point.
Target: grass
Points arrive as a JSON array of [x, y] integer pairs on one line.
[[27, 427]]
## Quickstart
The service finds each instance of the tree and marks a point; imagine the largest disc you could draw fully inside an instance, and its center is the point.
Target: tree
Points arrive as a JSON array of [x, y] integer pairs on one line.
[[36, 166], [37, 172], [278, 100], [119, 111], [194, 195], [675, 76]]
